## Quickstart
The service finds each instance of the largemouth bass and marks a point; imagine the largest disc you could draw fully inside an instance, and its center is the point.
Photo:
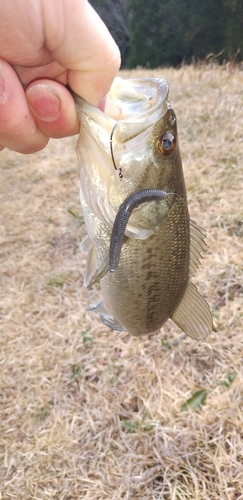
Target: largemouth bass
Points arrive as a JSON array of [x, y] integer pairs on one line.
[[141, 244]]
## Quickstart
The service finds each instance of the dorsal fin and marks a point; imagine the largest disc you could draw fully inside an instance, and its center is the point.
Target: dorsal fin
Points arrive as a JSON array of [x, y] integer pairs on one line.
[[197, 246], [193, 315]]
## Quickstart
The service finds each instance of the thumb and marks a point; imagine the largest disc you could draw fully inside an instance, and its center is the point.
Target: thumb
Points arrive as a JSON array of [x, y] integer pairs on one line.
[[84, 46]]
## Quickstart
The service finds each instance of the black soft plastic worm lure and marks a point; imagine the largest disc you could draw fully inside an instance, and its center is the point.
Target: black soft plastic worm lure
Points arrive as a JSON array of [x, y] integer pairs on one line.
[[122, 217]]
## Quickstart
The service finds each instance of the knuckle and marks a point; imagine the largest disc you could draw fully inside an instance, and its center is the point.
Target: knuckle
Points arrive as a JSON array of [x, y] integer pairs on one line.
[[23, 143], [33, 147]]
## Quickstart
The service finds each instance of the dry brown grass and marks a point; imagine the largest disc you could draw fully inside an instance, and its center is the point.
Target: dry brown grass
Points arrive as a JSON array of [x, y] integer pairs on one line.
[[87, 413]]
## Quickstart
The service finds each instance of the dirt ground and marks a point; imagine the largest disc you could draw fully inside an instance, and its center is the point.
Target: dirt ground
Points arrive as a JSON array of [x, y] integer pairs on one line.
[[88, 413]]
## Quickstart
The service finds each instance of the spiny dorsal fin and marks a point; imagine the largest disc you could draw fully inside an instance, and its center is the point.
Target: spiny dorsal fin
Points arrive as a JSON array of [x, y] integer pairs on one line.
[[197, 246], [193, 315]]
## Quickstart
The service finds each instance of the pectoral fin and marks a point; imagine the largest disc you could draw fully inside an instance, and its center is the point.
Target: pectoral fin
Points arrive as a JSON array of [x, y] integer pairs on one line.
[[193, 315], [92, 273], [86, 244], [87, 247], [99, 273]]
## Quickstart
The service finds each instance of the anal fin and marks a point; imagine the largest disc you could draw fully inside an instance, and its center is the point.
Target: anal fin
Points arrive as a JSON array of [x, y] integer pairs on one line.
[[193, 315]]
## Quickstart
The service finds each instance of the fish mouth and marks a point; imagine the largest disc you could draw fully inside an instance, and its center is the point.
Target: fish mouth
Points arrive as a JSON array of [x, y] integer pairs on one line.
[[133, 105], [112, 141], [136, 99]]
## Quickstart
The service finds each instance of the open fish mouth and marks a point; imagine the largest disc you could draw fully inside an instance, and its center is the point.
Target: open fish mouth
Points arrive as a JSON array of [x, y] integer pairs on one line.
[[119, 142], [137, 99], [130, 100]]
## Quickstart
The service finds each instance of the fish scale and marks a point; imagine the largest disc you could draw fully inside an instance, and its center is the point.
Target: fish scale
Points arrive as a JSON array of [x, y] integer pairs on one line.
[[151, 289]]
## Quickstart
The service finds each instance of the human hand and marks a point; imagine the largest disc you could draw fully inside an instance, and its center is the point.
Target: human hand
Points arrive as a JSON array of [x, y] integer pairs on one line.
[[44, 45]]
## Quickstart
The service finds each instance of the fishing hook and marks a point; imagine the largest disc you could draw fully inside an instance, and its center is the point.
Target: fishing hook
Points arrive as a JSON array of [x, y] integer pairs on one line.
[[112, 154]]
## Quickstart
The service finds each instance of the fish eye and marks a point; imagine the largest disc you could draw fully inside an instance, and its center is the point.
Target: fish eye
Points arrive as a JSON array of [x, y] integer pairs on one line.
[[166, 143]]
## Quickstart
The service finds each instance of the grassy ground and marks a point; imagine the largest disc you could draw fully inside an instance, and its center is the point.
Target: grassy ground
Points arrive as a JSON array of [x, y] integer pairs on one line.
[[94, 414]]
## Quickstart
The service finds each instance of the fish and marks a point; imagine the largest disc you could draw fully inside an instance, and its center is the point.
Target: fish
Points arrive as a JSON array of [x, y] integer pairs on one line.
[[141, 244]]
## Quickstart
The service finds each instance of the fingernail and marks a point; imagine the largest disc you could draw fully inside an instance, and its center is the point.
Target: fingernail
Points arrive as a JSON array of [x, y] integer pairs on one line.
[[44, 101], [2, 85]]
